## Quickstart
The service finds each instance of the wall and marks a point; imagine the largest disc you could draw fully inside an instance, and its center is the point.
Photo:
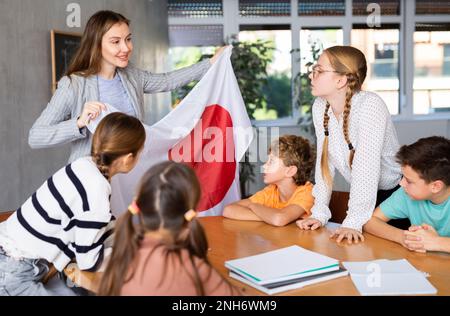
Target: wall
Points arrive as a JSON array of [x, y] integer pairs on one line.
[[25, 79]]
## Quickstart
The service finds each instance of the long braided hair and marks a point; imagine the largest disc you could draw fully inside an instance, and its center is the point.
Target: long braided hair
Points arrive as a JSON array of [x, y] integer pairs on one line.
[[351, 62], [117, 134]]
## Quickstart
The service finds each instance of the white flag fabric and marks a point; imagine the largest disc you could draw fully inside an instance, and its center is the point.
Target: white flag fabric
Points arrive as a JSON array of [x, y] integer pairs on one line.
[[209, 131]]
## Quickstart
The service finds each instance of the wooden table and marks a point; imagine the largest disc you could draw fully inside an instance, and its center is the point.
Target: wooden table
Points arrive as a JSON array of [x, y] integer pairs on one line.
[[231, 239]]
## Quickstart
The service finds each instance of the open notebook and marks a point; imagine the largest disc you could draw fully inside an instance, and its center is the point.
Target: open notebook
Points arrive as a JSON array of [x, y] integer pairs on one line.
[[388, 277], [282, 265]]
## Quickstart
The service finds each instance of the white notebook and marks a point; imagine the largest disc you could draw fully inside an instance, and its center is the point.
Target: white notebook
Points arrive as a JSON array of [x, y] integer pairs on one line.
[[282, 264], [388, 277], [293, 284]]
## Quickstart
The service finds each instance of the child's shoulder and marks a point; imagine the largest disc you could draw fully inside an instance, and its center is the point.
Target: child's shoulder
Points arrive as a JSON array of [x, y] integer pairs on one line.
[[400, 196], [319, 105], [269, 188], [83, 162], [86, 170], [370, 101], [307, 187]]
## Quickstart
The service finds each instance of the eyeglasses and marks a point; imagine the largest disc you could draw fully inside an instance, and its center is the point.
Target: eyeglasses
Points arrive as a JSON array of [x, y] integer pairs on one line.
[[316, 72]]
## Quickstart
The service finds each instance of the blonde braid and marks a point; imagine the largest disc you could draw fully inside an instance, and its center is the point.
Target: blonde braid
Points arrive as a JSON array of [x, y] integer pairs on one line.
[[352, 84], [324, 159]]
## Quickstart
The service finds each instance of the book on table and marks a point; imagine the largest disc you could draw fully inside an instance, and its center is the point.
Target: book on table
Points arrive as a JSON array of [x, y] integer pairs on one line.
[[283, 286], [389, 277], [284, 269]]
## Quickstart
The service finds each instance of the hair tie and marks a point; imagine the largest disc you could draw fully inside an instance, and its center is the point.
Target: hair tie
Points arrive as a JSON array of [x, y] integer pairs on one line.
[[327, 133], [350, 146], [134, 208], [190, 215]]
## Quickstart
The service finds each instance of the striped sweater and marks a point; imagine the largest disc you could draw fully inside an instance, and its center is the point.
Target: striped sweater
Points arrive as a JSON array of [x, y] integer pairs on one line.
[[67, 218]]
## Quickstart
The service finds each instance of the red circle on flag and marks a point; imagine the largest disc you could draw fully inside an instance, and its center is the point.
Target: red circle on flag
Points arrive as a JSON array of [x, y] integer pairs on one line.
[[209, 149]]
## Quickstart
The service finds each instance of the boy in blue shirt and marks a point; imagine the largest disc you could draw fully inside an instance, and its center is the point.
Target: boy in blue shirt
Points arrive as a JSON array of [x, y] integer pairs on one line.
[[423, 198]]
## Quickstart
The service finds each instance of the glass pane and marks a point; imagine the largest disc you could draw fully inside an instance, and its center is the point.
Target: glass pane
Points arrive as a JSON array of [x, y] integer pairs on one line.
[[194, 8], [432, 7], [277, 93], [312, 43], [381, 48], [195, 35], [182, 57], [324, 7], [431, 64], [387, 7], [264, 7]]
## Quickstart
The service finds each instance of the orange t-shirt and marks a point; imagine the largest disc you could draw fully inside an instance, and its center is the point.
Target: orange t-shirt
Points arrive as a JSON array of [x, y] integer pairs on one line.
[[270, 197]]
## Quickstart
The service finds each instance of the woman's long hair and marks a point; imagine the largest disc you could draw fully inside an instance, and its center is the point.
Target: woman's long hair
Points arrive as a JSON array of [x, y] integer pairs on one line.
[[166, 192], [117, 134], [88, 58], [350, 62]]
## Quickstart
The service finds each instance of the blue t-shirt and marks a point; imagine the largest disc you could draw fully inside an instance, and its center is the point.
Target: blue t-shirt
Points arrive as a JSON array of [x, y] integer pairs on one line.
[[113, 92], [400, 205]]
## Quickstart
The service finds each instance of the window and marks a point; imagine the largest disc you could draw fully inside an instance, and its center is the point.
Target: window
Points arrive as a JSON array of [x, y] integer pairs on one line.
[[317, 8], [431, 63], [278, 91], [381, 48], [264, 8], [446, 60], [312, 39], [387, 7], [408, 56], [319, 38], [188, 43], [195, 35], [195, 8], [181, 57], [432, 7]]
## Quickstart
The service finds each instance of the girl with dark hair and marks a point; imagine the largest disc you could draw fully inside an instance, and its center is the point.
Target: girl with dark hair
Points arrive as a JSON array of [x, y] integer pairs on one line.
[[68, 218], [100, 74], [356, 136], [159, 246]]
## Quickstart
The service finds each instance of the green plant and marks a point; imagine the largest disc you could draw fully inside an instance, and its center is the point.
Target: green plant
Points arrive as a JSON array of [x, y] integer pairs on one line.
[[278, 94], [250, 60]]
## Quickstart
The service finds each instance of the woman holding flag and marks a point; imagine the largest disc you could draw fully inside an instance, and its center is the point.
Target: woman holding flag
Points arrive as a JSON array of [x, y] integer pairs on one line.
[[100, 74]]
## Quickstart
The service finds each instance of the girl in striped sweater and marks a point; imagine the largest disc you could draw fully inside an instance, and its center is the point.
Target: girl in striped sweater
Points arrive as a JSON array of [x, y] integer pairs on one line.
[[69, 218]]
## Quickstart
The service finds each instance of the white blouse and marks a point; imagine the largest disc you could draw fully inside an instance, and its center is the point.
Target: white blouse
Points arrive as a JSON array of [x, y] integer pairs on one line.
[[374, 168]]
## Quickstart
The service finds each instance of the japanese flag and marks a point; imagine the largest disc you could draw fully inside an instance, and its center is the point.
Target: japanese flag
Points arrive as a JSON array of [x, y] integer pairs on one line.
[[209, 130]]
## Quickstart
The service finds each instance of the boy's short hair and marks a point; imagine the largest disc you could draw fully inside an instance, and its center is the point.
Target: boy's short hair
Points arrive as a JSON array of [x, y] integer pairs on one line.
[[429, 157], [295, 151]]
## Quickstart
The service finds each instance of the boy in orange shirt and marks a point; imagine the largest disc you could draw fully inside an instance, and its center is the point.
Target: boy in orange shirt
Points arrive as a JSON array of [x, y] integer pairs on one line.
[[288, 195]]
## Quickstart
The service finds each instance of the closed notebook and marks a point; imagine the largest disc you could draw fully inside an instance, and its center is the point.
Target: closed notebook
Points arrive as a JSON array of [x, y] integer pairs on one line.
[[281, 265], [283, 286]]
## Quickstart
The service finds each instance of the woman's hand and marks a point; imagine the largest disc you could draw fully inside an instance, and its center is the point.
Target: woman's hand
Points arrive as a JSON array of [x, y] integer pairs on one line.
[[90, 111], [351, 235], [217, 54], [308, 224]]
